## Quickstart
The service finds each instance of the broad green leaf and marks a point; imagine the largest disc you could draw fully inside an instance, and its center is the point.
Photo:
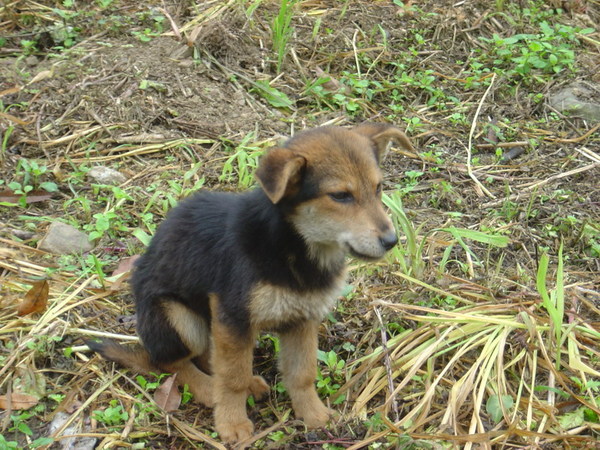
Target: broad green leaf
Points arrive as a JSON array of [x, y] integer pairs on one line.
[[496, 403], [572, 420], [274, 96], [142, 236]]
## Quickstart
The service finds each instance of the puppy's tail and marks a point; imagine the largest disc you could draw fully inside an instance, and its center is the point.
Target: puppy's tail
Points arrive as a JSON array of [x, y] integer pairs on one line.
[[134, 356]]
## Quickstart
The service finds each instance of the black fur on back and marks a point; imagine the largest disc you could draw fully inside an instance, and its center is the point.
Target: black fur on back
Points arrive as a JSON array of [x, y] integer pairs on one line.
[[223, 243]]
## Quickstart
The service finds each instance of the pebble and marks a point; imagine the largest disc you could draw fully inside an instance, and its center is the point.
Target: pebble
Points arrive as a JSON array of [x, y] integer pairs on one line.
[[106, 175], [62, 239], [577, 100]]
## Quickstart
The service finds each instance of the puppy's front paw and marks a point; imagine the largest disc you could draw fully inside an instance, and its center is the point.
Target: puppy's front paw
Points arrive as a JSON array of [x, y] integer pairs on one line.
[[235, 432], [258, 387], [318, 415]]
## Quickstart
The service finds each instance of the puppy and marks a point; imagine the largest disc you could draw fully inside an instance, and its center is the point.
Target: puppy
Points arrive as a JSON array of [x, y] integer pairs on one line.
[[224, 266]]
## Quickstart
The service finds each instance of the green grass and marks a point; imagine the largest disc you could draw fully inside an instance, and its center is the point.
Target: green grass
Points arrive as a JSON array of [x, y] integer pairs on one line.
[[281, 30]]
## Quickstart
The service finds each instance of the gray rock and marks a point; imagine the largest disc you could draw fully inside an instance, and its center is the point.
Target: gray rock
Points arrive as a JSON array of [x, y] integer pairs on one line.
[[75, 442], [577, 100], [31, 60], [62, 239], [106, 175]]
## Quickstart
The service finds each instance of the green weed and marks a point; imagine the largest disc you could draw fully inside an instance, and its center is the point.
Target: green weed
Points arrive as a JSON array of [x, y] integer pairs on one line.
[[330, 380], [242, 164], [113, 415], [281, 30], [28, 177], [553, 302], [459, 235], [4, 444], [548, 52], [274, 96], [410, 254], [4, 137]]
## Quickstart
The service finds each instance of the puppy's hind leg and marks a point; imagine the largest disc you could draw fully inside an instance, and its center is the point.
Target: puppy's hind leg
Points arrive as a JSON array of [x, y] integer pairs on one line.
[[199, 383], [192, 331]]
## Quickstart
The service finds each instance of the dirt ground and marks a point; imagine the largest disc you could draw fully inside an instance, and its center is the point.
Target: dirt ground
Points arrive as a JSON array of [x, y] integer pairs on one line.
[[183, 98]]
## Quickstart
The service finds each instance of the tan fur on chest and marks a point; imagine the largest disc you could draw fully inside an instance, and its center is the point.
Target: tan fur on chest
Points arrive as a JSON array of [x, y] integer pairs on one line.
[[273, 306]]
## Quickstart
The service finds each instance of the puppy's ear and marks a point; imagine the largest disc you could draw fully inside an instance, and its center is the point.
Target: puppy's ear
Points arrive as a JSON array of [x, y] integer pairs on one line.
[[279, 173], [382, 134]]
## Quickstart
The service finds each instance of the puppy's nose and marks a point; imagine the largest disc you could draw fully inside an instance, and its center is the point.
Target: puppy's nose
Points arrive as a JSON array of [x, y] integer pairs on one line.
[[388, 240]]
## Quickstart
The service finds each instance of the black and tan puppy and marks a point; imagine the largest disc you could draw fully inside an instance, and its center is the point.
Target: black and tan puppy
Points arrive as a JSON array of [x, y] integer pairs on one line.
[[224, 266]]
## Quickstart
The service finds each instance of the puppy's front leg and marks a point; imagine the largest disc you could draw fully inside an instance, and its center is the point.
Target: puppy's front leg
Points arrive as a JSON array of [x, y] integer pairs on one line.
[[298, 361], [232, 375], [231, 362]]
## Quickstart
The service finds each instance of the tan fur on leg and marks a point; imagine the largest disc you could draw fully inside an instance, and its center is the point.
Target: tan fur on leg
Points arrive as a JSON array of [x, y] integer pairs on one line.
[[298, 361], [231, 363], [199, 383]]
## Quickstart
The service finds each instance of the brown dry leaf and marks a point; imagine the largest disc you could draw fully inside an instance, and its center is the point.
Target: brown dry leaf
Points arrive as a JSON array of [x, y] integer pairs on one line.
[[167, 395], [43, 75], [14, 119], [331, 85], [12, 90], [121, 274], [36, 196], [125, 265], [36, 299], [18, 401]]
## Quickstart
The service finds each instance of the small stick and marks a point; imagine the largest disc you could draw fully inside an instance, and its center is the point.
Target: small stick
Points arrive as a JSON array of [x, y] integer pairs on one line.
[[577, 139], [503, 145], [471, 133], [388, 366], [531, 186], [174, 26]]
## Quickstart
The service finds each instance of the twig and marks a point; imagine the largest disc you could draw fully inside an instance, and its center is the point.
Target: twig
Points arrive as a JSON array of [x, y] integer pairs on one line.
[[388, 366], [503, 145], [531, 186], [174, 26], [589, 154], [356, 54], [471, 133], [577, 139]]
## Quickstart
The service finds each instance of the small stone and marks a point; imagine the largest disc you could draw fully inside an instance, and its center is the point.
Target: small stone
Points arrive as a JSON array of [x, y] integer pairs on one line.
[[577, 100], [78, 442], [62, 239], [23, 234], [106, 175], [31, 60]]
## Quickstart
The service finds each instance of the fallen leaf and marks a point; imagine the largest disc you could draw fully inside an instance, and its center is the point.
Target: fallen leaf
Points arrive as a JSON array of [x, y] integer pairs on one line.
[[125, 265], [18, 401], [331, 85], [12, 90], [27, 380], [14, 119], [43, 75], [121, 274], [36, 196], [36, 299], [167, 395]]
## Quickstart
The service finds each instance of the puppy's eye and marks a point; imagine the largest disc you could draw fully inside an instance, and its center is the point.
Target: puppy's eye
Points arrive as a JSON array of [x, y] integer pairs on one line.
[[378, 189], [342, 197]]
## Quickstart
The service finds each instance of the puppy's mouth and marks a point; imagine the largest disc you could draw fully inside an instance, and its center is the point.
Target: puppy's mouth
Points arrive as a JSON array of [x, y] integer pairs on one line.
[[362, 256]]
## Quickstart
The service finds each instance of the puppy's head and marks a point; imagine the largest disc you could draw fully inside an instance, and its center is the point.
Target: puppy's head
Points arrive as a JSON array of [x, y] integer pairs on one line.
[[329, 183]]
